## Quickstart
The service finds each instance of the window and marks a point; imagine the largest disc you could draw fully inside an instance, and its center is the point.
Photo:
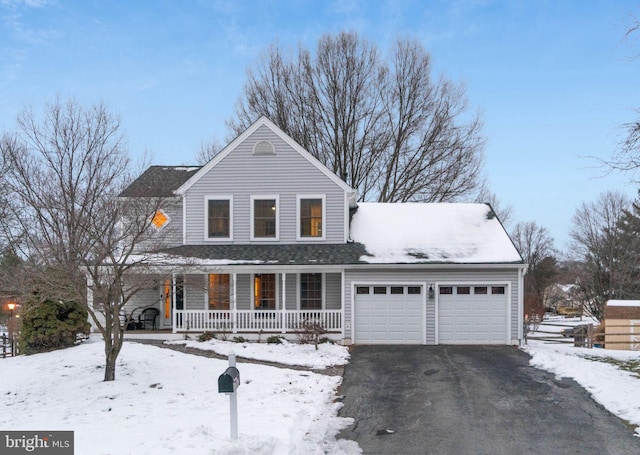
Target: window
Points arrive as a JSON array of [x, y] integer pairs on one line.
[[264, 291], [463, 290], [480, 290], [264, 148], [497, 289], [446, 290], [265, 218], [219, 218], [362, 289], [179, 292], [219, 291], [160, 219], [311, 217], [379, 289], [414, 290], [397, 290], [311, 291]]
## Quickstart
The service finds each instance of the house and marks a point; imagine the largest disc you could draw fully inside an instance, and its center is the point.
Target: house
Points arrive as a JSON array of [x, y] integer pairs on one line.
[[622, 328], [264, 237]]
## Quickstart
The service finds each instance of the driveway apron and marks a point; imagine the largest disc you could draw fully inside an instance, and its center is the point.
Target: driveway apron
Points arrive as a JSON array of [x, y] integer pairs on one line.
[[471, 400]]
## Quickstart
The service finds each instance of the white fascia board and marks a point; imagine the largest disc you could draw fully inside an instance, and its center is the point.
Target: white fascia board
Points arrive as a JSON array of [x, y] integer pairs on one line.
[[446, 265], [263, 121], [220, 156], [312, 159]]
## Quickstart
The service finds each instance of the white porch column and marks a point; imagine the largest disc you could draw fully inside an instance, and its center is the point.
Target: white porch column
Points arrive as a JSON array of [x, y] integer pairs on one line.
[[173, 303], [234, 304], [284, 303]]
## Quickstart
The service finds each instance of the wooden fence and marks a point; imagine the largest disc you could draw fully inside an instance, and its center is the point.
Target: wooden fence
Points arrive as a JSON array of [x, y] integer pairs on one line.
[[583, 335]]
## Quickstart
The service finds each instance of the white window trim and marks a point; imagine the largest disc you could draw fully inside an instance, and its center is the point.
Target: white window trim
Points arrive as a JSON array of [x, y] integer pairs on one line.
[[299, 198], [253, 292], [217, 197], [257, 153], [207, 289], [263, 197], [158, 229], [299, 291]]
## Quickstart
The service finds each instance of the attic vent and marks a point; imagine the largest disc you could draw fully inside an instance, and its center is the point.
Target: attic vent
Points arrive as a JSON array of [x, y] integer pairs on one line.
[[264, 148]]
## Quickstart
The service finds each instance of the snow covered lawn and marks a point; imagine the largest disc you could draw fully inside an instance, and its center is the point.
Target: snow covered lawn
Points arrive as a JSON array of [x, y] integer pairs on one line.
[[612, 377], [304, 355], [167, 402]]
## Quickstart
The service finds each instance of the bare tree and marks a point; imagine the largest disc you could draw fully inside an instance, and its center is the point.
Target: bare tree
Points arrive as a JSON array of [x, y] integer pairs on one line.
[[208, 150], [503, 211], [65, 171], [626, 157], [606, 265], [387, 127], [535, 244]]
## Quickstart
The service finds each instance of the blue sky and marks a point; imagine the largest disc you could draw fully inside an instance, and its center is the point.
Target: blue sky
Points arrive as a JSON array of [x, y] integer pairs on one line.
[[554, 80]]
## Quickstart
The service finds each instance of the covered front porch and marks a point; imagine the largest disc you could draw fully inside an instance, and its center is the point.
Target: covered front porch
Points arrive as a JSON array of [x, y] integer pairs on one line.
[[263, 321], [251, 301]]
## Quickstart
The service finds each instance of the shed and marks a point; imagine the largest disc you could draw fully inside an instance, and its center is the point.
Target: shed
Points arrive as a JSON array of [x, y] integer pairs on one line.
[[622, 329]]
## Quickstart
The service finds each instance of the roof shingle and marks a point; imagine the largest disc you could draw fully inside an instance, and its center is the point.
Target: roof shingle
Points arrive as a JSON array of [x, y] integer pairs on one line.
[[159, 181]]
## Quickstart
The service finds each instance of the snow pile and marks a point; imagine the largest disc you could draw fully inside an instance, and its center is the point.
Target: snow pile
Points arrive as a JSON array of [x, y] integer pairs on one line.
[[304, 355], [166, 402], [615, 389], [419, 232]]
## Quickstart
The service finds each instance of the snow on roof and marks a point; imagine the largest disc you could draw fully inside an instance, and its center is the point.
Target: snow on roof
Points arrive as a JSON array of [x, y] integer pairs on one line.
[[431, 233], [623, 303]]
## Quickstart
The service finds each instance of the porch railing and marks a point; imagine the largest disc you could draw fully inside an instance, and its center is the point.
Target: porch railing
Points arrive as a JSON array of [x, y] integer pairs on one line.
[[255, 321]]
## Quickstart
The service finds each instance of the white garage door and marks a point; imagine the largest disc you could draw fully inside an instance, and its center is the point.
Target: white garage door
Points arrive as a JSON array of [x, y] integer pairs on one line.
[[472, 314], [389, 314]]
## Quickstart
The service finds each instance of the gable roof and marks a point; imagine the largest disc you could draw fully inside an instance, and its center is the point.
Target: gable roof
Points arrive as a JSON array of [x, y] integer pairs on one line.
[[416, 232], [159, 181], [263, 121]]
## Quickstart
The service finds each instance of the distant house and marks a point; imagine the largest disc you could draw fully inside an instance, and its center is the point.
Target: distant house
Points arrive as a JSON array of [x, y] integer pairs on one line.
[[264, 237], [622, 327]]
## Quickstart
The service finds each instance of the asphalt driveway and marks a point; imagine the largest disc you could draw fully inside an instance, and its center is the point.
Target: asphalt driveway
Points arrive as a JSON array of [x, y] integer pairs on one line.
[[471, 400]]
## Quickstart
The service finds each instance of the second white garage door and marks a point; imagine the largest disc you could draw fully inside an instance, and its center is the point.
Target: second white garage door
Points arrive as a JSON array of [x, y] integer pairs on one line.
[[389, 314], [472, 314]]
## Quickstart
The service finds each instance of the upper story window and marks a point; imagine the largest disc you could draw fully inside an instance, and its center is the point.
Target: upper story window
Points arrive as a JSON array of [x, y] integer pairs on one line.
[[311, 212], [264, 218], [160, 219], [219, 216]]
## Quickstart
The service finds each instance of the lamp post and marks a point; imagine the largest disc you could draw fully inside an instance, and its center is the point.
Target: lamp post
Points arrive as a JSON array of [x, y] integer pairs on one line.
[[11, 306]]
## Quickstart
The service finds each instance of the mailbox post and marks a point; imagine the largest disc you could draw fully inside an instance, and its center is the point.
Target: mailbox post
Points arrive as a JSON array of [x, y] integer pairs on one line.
[[228, 382]]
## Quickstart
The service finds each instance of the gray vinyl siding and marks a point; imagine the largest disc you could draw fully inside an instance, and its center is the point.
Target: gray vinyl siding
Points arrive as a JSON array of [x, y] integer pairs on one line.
[[292, 291], [142, 299], [171, 234], [195, 292], [243, 292], [286, 174], [431, 277], [333, 291]]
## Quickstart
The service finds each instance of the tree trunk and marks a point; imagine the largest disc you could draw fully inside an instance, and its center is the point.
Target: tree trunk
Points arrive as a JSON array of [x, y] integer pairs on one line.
[[113, 339], [110, 366]]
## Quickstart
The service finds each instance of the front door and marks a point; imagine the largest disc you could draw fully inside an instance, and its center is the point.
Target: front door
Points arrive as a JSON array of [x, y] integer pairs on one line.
[[172, 296]]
